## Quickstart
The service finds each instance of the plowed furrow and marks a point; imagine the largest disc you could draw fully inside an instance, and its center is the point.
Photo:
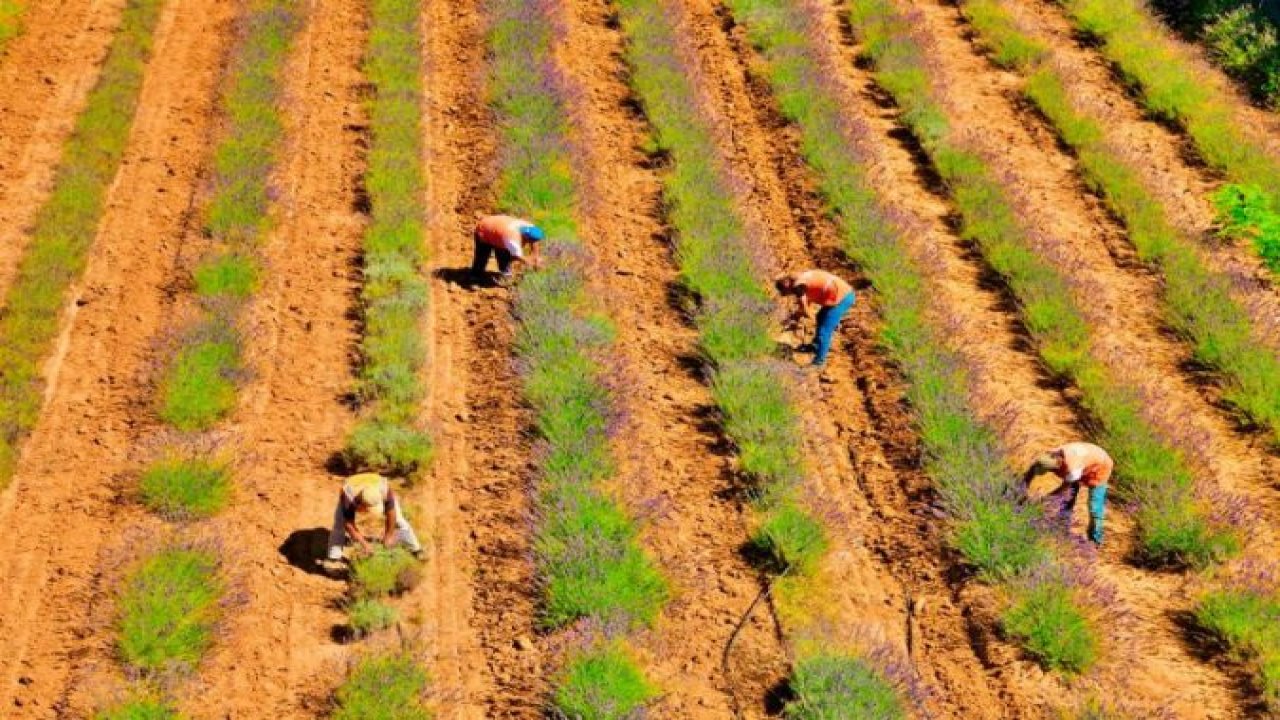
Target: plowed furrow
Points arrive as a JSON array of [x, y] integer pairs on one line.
[[674, 458], [479, 598], [70, 494], [1149, 643], [45, 78], [870, 476], [278, 658]]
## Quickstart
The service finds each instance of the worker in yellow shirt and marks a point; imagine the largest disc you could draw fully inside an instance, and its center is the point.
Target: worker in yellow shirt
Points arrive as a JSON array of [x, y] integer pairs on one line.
[[369, 496]]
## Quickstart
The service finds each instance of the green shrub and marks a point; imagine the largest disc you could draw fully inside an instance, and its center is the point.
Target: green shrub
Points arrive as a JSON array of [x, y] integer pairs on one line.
[[789, 539], [142, 706], [186, 487], [201, 388], [841, 687], [228, 275], [1001, 541], [385, 571], [10, 21], [383, 687], [367, 616], [602, 684], [168, 607], [66, 225], [1049, 625], [1245, 213], [1248, 622], [393, 448]]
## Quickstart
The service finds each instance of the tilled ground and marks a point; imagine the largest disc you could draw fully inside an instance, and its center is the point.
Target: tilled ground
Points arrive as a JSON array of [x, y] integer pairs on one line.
[[474, 615]]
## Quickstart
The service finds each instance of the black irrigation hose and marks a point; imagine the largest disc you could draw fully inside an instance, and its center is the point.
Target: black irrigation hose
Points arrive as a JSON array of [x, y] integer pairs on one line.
[[766, 591]]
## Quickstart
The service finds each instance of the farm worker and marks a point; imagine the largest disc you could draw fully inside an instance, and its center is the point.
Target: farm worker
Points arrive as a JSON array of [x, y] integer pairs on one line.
[[511, 239], [1078, 464], [369, 493], [830, 294]]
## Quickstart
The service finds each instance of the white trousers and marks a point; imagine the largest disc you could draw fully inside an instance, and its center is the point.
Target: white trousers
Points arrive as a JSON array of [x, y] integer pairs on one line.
[[338, 536]]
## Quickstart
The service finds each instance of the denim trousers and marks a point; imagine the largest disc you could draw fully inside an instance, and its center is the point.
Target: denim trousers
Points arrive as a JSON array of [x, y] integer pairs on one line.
[[827, 321]]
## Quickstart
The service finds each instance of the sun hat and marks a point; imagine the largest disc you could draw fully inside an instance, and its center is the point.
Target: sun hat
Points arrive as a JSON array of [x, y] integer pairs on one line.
[[532, 233]]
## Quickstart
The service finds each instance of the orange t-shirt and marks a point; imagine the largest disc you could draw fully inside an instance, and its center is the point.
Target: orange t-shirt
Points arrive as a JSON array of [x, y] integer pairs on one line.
[[503, 231], [823, 288], [1086, 463]]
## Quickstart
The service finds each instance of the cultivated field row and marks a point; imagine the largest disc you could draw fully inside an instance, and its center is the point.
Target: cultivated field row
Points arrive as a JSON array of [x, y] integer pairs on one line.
[[629, 499]]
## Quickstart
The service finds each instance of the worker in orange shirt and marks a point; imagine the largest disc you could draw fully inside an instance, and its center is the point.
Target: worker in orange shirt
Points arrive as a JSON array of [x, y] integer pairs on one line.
[[1078, 464], [831, 295], [510, 239]]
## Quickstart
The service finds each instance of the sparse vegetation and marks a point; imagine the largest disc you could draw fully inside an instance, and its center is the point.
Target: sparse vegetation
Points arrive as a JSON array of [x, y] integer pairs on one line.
[[168, 608], [1199, 302], [602, 683], [142, 706], [389, 437], [66, 224], [181, 486], [1174, 526], [1244, 615], [367, 616], [383, 687], [385, 571]]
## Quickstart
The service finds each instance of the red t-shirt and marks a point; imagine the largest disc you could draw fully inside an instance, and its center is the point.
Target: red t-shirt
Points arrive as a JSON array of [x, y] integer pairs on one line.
[[503, 231], [823, 288]]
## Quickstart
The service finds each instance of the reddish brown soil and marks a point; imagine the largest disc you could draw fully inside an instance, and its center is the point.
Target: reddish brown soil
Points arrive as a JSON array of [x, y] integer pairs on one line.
[[45, 76], [479, 598], [71, 492], [278, 658]]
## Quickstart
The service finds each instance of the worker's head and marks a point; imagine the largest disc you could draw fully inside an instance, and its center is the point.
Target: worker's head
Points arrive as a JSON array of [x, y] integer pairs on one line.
[[370, 498], [532, 234], [785, 284], [1048, 462]]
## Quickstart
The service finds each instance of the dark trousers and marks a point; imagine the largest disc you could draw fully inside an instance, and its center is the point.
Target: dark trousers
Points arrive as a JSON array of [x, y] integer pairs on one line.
[[480, 260]]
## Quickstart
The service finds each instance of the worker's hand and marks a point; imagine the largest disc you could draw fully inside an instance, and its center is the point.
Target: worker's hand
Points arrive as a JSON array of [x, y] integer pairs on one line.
[[389, 540]]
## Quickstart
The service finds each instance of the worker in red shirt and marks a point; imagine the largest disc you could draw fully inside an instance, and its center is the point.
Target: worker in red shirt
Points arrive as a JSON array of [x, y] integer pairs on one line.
[[831, 295], [1078, 464], [510, 239]]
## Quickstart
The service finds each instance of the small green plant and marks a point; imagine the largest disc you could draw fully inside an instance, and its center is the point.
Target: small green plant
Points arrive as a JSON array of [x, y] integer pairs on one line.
[[385, 571], [602, 684], [144, 705], [390, 446], [168, 607], [383, 687], [790, 539], [179, 486], [10, 21], [367, 616], [227, 275], [1247, 621], [839, 687], [1049, 625], [1245, 213], [201, 388]]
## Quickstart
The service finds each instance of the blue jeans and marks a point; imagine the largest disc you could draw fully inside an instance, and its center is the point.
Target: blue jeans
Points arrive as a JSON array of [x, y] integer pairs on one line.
[[828, 320], [1097, 508]]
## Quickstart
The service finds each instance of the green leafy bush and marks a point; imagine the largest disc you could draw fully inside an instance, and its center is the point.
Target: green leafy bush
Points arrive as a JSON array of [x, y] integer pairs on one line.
[[1245, 213], [1049, 625], [229, 275], [66, 225], [389, 446], [790, 539], [168, 607], [842, 687], [1247, 621], [367, 616], [142, 706], [201, 388], [383, 687], [385, 571], [602, 684], [179, 486]]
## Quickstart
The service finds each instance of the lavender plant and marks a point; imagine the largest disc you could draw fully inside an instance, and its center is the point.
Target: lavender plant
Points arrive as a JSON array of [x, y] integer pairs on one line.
[[1243, 614], [589, 559]]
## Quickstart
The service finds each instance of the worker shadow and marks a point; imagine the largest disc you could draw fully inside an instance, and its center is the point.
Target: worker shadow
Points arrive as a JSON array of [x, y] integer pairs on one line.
[[305, 550], [465, 279]]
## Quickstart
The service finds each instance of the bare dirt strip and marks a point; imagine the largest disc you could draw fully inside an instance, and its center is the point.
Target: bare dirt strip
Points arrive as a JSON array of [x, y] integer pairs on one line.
[[70, 496], [478, 599], [676, 466], [45, 77], [278, 657]]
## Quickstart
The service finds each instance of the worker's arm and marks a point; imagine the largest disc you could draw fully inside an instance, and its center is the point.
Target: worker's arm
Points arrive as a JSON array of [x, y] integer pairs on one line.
[[349, 521], [1062, 487], [534, 252], [389, 534]]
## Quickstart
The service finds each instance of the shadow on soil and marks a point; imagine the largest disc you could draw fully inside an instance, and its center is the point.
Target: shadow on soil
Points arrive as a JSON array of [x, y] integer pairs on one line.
[[305, 549], [465, 279]]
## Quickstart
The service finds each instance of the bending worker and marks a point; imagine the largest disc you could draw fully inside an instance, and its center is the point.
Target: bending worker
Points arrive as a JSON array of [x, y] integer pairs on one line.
[[830, 294], [369, 494], [1078, 464], [511, 239]]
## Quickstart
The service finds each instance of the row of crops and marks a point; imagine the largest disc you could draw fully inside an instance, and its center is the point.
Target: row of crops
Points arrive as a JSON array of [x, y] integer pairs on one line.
[[593, 569]]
